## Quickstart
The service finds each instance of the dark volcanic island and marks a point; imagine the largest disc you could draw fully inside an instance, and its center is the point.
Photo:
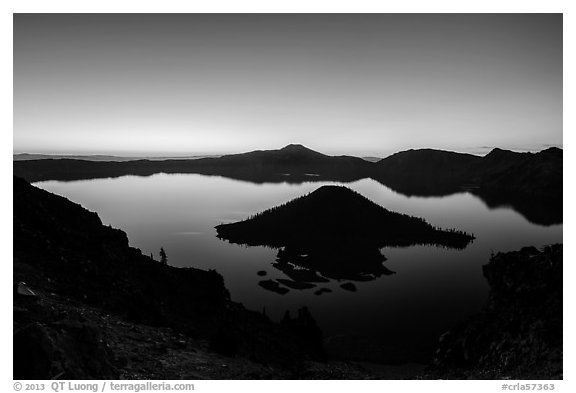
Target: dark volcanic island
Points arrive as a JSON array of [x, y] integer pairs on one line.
[[336, 233]]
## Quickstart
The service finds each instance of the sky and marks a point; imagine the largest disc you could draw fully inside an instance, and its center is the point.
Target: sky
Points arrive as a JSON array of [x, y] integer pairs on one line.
[[359, 84]]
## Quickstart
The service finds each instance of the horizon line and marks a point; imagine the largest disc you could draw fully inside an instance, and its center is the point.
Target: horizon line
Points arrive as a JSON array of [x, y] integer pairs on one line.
[[478, 151]]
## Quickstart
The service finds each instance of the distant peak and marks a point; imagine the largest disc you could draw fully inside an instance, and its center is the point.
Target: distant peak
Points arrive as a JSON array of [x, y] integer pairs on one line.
[[299, 149], [295, 147]]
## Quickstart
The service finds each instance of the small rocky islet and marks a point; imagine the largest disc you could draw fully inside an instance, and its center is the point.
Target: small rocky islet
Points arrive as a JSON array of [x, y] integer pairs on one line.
[[335, 233]]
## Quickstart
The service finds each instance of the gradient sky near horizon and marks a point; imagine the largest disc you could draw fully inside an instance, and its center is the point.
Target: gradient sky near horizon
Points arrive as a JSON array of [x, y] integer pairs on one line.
[[361, 84]]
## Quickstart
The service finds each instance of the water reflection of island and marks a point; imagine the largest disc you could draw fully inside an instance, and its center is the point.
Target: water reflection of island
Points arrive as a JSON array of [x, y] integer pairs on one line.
[[334, 233]]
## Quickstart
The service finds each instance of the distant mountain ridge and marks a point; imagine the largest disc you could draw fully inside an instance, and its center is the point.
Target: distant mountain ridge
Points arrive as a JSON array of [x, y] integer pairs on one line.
[[424, 171], [530, 182], [293, 163], [538, 174]]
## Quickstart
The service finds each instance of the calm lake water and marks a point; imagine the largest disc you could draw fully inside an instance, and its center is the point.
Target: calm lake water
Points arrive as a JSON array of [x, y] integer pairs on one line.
[[433, 288]]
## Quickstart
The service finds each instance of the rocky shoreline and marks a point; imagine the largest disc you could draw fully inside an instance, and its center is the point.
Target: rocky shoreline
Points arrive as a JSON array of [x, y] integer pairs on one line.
[[518, 334]]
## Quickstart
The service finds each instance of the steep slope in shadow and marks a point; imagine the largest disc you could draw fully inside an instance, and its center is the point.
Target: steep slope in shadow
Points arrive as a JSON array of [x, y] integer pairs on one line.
[[336, 232], [63, 251]]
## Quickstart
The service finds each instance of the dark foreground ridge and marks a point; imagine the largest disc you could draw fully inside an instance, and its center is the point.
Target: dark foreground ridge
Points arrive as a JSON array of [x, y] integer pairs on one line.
[[88, 306], [518, 335], [336, 232]]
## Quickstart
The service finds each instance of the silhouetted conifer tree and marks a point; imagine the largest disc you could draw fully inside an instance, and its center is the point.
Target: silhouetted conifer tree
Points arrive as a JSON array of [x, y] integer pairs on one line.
[[163, 257]]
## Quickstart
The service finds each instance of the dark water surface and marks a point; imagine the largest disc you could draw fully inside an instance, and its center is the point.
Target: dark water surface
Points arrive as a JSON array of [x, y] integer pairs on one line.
[[432, 290]]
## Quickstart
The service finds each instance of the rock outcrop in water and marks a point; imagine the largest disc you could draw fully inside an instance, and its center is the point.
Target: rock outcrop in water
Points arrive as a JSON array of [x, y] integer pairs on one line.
[[336, 232], [518, 334]]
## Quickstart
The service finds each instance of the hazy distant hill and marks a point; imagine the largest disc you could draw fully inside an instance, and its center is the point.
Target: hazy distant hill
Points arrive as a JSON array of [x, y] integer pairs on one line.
[[426, 162], [96, 157], [424, 171]]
